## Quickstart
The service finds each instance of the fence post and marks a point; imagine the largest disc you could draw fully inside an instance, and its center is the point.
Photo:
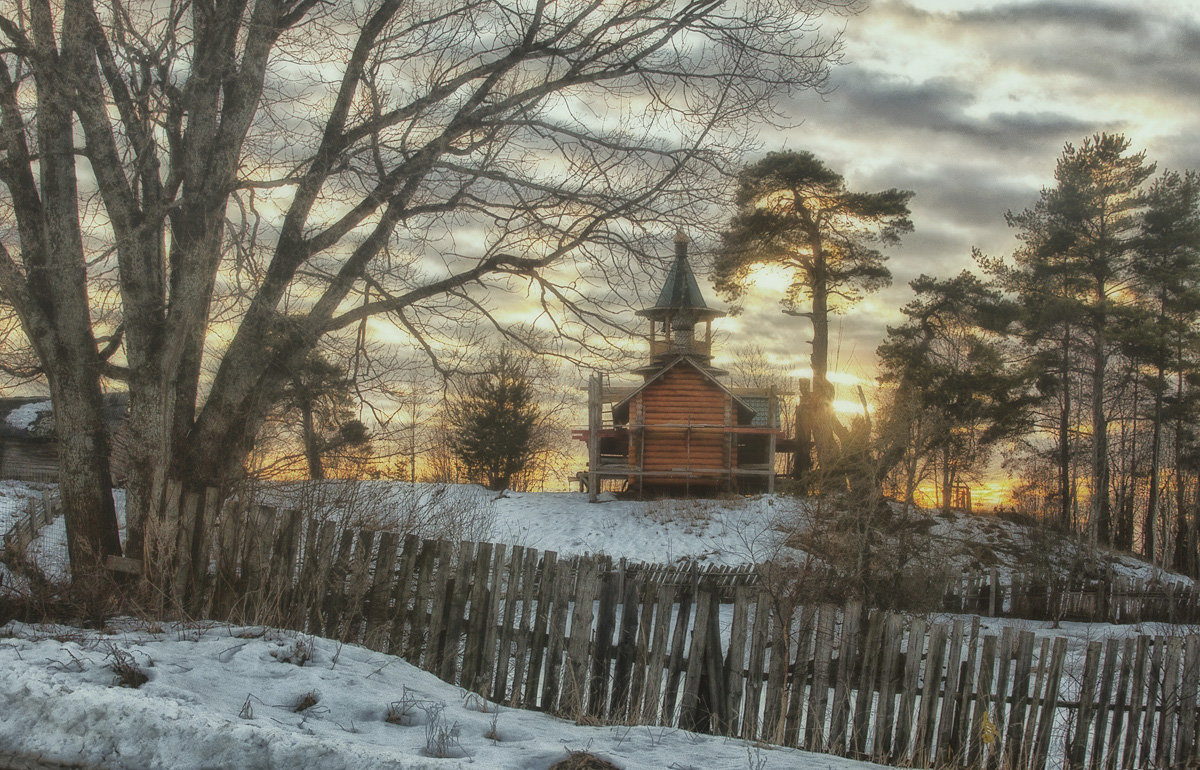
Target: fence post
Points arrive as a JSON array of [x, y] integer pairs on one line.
[[626, 651], [1077, 751], [752, 728], [1170, 700]]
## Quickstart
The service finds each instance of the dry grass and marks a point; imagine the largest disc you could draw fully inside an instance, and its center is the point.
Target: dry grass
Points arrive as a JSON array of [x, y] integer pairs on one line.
[[430, 511], [128, 672], [306, 701], [299, 653], [689, 512], [582, 760], [441, 737]]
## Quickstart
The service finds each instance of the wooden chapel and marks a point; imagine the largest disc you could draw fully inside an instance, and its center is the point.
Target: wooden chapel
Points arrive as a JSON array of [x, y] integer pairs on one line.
[[682, 430]]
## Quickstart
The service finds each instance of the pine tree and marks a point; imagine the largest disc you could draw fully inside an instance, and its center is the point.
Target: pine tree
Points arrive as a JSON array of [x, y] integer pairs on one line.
[[1072, 272], [323, 395], [796, 213], [949, 363], [1167, 267]]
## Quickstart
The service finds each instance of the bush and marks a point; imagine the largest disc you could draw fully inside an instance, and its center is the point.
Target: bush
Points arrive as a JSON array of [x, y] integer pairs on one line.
[[857, 547]]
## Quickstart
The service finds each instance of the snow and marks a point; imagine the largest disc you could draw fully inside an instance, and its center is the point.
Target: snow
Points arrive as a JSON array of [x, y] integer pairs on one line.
[[14, 501], [721, 532], [727, 531], [23, 417], [226, 696], [49, 549], [984, 541], [221, 696]]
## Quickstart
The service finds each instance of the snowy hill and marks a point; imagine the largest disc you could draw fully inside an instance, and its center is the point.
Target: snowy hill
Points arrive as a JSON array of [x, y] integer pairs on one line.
[[239, 697], [726, 531], [231, 697]]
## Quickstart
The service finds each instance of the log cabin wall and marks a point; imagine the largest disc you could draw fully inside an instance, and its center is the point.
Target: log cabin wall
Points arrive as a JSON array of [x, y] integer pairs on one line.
[[680, 397], [35, 461]]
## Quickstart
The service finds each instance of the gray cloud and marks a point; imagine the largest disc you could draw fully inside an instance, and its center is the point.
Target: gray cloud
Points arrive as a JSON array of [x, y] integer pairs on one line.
[[874, 100], [968, 194], [974, 146], [1075, 15], [1177, 152], [1121, 47]]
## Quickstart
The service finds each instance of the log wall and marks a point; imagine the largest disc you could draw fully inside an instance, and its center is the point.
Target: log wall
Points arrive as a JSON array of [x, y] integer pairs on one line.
[[682, 397]]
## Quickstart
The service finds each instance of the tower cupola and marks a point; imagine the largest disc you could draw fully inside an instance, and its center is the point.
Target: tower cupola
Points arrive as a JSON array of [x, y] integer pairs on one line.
[[679, 309]]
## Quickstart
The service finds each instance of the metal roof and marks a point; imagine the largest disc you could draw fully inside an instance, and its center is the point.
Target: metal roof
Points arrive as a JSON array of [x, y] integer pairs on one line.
[[759, 404], [681, 291]]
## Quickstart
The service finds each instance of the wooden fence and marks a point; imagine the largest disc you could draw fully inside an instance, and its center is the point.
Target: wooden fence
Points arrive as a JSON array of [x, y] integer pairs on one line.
[[34, 469], [1111, 599], [39, 512], [710, 650]]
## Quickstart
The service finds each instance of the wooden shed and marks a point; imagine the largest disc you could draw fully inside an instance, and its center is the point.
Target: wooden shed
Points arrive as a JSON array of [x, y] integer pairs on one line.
[[682, 429], [29, 442]]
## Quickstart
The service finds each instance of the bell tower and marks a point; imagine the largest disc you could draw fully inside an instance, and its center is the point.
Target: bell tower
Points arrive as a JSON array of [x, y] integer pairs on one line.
[[676, 316]]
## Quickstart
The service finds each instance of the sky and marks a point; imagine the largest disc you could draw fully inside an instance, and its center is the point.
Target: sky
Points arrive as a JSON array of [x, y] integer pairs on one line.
[[969, 104]]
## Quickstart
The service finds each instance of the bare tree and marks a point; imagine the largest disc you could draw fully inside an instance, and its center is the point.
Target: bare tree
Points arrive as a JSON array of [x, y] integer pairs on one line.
[[233, 180]]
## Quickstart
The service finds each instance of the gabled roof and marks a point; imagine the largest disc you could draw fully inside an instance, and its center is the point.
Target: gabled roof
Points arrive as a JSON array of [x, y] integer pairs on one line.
[[31, 418], [623, 404]]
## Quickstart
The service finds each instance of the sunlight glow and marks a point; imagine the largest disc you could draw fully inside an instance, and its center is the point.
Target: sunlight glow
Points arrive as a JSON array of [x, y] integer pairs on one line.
[[987, 495]]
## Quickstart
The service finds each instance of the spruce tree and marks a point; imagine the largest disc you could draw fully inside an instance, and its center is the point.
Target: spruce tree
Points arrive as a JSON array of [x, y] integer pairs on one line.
[[494, 420]]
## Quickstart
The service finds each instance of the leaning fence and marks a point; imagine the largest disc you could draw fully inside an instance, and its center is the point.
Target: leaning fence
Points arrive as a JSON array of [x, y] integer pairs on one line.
[[1102, 598], [708, 649], [25, 527]]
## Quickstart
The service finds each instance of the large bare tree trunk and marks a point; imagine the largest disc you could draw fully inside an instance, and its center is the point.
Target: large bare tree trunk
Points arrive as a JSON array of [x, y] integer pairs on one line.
[[53, 299], [84, 480], [824, 436]]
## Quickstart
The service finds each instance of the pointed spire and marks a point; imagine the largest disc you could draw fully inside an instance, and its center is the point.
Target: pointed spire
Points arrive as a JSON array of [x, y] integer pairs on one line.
[[681, 244], [681, 291], [679, 308]]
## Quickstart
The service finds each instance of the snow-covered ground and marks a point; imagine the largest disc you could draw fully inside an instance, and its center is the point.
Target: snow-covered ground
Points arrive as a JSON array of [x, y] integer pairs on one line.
[[225, 697], [985, 541], [730, 530], [15, 500], [15, 497], [230, 697], [49, 550], [723, 532], [727, 531]]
